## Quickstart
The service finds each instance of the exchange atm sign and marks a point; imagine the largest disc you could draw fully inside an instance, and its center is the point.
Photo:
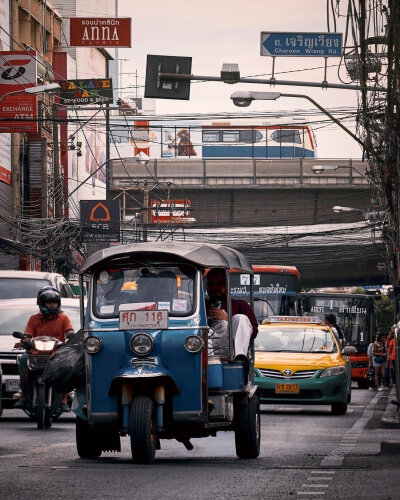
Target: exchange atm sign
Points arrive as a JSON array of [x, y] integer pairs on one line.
[[101, 220]]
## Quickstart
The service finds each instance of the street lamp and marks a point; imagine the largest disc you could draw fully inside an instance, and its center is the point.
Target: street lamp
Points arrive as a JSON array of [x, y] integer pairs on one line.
[[243, 99], [33, 90]]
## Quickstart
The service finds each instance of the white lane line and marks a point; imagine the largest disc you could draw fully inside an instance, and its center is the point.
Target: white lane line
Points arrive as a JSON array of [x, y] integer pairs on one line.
[[320, 478], [323, 472], [315, 485]]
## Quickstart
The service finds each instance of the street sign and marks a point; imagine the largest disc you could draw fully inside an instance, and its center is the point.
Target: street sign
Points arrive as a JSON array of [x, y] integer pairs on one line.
[[92, 91], [278, 44], [100, 220], [167, 89]]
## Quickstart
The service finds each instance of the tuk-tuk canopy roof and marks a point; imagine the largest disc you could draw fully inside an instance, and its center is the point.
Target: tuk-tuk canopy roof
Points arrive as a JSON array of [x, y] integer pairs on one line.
[[200, 254]]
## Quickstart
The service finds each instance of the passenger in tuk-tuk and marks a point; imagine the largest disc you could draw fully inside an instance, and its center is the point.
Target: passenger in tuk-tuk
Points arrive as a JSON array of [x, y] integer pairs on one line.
[[244, 322]]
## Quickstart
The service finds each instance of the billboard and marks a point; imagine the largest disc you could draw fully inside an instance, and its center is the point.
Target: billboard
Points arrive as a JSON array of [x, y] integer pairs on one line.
[[18, 70], [170, 211], [100, 32], [100, 220], [5, 139], [89, 91]]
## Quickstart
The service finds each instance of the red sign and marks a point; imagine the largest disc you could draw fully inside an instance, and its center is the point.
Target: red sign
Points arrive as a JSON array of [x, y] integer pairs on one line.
[[18, 113], [170, 212], [100, 32]]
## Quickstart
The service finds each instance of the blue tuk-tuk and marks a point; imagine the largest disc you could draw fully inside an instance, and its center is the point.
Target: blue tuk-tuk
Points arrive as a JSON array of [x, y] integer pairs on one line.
[[151, 369]]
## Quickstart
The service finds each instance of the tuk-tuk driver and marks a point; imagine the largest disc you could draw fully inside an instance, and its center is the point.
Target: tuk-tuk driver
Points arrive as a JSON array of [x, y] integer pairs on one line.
[[244, 322]]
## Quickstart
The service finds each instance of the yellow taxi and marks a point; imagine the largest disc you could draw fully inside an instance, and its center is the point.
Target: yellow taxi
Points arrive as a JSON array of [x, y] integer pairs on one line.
[[299, 360]]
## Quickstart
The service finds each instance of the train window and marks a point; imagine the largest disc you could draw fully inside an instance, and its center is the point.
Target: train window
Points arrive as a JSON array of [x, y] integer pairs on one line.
[[286, 135], [211, 136], [230, 136]]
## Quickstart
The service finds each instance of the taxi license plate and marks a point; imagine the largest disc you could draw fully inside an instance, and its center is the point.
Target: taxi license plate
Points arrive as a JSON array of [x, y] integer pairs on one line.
[[287, 388], [143, 320], [12, 385]]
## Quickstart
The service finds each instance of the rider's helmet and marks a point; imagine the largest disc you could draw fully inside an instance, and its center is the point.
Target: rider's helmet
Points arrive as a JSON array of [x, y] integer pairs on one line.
[[49, 294]]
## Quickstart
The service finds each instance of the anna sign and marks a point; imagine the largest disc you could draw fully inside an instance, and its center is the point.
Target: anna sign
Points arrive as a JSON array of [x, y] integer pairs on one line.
[[100, 32]]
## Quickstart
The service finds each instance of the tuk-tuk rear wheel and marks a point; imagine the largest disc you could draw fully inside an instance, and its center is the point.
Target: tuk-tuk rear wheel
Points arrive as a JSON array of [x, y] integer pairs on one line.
[[248, 428], [87, 440], [143, 436]]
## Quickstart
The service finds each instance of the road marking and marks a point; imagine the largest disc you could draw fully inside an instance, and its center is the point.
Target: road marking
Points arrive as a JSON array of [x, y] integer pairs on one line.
[[323, 478], [323, 472], [315, 485], [310, 492]]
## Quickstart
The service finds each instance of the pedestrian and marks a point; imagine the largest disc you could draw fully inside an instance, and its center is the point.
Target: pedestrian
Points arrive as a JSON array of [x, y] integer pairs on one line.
[[370, 365], [379, 355], [387, 370], [392, 358]]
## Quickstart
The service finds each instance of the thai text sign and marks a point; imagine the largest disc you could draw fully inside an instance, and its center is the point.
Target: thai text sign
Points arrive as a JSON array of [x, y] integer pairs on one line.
[[142, 320], [100, 220], [100, 32], [91, 91], [301, 44], [170, 211]]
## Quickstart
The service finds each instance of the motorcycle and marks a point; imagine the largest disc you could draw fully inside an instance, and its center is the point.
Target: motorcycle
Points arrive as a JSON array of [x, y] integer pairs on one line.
[[43, 402]]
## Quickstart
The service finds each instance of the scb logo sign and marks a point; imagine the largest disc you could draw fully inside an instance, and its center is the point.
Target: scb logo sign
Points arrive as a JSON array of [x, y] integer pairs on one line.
[[17, 68]]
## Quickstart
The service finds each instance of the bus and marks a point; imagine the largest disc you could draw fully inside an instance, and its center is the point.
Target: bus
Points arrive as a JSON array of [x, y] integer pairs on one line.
[[355, 315], [275, 290]]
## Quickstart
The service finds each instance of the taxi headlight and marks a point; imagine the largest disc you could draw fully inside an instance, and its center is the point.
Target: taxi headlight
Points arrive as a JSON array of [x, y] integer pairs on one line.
[[332, 371], [141, 344], [92, 345], [194, 343]]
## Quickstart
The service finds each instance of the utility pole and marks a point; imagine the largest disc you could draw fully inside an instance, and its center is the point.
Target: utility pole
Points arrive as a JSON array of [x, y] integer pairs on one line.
[[58, 185], [44, 181], [145, 209]]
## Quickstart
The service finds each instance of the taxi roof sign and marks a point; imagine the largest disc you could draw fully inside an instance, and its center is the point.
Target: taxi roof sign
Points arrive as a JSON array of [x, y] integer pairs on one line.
[[292, 319]]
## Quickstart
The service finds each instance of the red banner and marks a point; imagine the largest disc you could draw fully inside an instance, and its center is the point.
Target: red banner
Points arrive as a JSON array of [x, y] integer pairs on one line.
[[100, 32], [170, 211]]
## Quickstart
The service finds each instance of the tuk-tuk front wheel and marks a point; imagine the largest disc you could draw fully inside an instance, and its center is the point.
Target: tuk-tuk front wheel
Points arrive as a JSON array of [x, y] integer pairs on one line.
[[143, 436], [88, 443], [248, 428]]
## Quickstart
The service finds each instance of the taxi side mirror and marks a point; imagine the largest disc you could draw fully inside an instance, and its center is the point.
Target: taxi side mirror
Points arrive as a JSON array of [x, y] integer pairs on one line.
[[349, 350]]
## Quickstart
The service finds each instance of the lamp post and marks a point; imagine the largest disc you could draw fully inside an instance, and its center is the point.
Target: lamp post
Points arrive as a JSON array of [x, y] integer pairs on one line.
[[32, 90], [319, 169], [245, 98]]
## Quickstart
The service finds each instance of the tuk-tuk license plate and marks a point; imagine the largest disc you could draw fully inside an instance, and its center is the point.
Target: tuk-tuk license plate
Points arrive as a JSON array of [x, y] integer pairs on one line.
[[12, 385], [143, 320], [287, 388]]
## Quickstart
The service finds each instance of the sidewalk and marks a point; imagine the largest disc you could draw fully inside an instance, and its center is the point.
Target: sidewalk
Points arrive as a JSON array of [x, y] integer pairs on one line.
[[390, 417]]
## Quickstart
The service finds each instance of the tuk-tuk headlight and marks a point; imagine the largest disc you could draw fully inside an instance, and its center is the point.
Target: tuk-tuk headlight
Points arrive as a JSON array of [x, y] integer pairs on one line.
[[194, 343], [92, 345], [142, 344]]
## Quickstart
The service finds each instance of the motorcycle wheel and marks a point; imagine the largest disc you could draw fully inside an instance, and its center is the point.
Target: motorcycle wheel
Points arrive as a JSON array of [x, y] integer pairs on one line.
[[248, 428], [40, 407], [87, 440], [143, 436]]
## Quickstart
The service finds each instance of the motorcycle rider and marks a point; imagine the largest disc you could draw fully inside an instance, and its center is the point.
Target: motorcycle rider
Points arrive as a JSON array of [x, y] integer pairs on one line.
[[50, 321]]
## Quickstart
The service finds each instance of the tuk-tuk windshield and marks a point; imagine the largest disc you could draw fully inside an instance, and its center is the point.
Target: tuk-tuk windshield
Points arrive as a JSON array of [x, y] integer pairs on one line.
[[145, 287]]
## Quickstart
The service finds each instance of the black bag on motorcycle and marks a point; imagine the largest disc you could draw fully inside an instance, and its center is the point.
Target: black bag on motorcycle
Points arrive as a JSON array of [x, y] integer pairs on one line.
[[65, 369]]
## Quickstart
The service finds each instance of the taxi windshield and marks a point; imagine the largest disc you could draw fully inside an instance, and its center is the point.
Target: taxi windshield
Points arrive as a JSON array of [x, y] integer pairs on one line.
[[144, 287], [302, 339]]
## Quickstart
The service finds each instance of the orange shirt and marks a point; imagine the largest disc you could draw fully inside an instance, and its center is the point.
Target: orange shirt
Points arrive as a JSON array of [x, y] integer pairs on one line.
[[392, 350], [55, 327]]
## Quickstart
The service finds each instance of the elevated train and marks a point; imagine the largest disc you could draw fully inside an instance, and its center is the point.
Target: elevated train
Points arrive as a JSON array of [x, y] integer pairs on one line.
[[249, 138]]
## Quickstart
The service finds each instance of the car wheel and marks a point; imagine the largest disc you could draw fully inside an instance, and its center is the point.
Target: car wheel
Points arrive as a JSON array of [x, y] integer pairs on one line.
[[339, 408], [349, 397]]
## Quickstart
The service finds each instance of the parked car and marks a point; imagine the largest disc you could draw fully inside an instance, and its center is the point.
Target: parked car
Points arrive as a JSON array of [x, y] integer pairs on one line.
[[299, 360], [14, 315], [26, 284]]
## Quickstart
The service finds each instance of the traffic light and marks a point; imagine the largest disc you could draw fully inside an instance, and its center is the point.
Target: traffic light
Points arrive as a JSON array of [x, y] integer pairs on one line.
[[167, 88]]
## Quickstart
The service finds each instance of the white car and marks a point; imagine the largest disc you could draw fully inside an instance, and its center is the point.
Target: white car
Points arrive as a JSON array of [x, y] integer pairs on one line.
[[26, 284], [14, 315]]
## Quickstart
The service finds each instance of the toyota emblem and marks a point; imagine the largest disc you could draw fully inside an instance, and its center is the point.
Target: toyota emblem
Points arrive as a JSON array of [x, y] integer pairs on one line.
[[287, 372]]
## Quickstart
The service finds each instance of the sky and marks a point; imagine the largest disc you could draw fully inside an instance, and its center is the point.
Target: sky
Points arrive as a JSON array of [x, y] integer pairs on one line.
[[214, 32]]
